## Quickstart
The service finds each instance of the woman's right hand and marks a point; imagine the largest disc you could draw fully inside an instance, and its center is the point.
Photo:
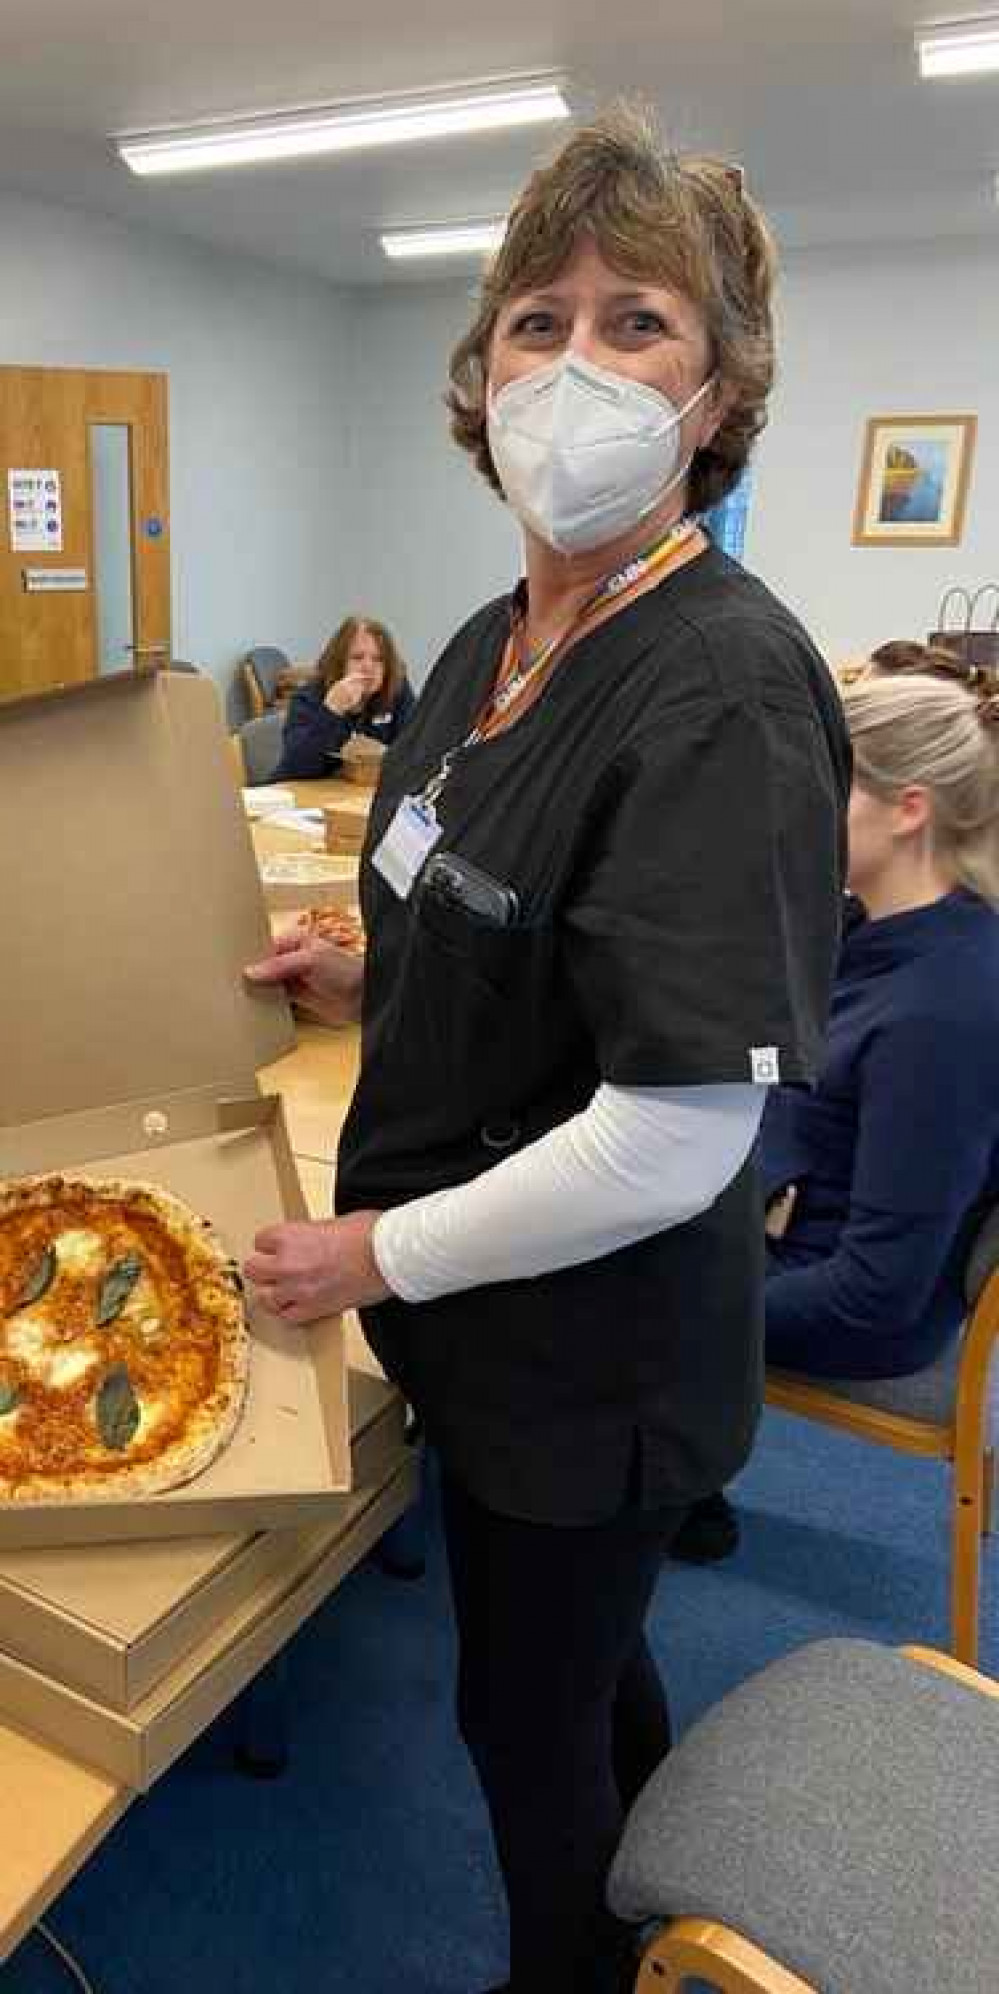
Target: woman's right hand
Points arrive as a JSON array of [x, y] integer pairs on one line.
[[347, 695], [316, 974]]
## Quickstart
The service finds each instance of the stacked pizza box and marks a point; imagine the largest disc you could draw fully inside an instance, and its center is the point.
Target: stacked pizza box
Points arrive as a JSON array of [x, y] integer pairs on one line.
[[130, 1613], [346, 823]]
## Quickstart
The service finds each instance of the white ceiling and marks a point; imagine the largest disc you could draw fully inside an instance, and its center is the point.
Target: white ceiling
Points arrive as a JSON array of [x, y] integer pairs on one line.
[[818, 98]]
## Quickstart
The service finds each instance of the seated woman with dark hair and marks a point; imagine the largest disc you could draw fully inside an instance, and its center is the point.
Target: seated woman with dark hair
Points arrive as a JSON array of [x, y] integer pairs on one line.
[[359, 687], [874, 1181]]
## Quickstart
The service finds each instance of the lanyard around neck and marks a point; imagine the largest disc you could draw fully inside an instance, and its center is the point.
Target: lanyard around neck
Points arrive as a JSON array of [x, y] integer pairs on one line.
[[518, 675]]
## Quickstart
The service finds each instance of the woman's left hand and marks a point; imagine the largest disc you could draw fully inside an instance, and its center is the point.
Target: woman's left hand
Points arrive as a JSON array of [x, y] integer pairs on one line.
[[310, 1268]]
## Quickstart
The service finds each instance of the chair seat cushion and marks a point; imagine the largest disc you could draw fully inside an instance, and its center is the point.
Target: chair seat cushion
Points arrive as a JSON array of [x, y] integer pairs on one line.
[[928, 1394], [840, 1809]]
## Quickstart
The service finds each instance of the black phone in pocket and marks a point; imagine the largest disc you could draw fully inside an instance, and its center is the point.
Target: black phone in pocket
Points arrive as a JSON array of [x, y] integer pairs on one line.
[[458, 883]]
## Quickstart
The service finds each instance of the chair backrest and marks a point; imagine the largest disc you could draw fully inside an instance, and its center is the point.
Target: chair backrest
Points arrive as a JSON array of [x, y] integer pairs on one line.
[[260, 741], [262, 668], [983, 1256]]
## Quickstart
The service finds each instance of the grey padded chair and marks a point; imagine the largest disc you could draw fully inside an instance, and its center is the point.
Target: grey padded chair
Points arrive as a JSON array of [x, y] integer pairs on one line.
[[260, 741], [830, 1827], [261, 669], [948, 1412]]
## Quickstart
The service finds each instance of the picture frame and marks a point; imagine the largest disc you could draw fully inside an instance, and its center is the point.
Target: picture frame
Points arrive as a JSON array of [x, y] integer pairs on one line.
[[914, 480]]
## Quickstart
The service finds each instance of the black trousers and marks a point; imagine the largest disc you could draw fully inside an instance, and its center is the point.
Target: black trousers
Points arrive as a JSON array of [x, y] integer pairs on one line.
[[563, 1712]]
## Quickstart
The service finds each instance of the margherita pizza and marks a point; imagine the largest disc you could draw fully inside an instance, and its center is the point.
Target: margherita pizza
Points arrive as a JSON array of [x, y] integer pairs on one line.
[[123, 1340]]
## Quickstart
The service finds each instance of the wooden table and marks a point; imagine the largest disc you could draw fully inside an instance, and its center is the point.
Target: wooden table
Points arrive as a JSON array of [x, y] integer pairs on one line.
[[316, 1081], [271, 840]]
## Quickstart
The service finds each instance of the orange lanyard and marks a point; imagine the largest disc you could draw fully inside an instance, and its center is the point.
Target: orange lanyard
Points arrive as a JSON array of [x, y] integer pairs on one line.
[[520, 680]]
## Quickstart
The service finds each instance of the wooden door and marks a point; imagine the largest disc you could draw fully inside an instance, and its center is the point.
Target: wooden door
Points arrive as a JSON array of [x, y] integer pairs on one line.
[[62, 553]]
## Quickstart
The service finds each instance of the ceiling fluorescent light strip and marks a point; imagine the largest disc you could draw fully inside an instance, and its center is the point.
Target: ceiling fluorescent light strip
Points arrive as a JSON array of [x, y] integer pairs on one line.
[[444, 239], [959, 48], [342, 128]]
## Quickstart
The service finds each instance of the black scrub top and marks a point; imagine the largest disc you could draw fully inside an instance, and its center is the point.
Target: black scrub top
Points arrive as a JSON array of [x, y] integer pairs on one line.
[[670, 814]]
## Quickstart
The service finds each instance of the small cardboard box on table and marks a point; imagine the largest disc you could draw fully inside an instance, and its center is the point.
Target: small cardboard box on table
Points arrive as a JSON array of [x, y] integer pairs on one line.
[[345, 822]]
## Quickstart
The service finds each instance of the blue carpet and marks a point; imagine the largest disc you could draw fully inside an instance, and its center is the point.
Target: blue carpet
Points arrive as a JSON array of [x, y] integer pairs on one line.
[[367, 1867]]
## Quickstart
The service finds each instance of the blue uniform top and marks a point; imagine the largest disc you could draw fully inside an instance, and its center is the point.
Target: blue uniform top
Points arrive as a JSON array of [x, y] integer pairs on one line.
[[896, 1152]]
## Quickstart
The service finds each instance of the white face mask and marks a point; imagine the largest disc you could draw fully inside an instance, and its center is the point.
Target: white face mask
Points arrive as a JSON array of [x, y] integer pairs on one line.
[[583, 455]]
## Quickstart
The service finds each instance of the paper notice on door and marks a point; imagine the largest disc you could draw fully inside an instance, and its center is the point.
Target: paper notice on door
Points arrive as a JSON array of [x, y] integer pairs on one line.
[[34, 504]]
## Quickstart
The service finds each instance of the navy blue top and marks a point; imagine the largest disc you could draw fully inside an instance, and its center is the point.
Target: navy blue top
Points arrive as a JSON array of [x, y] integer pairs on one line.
[[895, 1152], [314, 738]]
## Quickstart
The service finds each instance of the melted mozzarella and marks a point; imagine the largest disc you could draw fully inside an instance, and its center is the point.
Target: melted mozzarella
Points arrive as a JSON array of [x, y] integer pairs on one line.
[[27, 1338], [66, 1367], [80, 1252], [151, 1411]]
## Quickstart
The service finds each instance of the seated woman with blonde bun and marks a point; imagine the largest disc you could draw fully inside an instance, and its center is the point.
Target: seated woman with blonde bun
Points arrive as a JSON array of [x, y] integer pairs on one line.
[[874, 1181], [359, 687]]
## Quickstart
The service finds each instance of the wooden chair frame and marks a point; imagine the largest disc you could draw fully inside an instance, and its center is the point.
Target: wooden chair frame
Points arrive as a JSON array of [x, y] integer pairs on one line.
[[964, 1441], [701, 1949]]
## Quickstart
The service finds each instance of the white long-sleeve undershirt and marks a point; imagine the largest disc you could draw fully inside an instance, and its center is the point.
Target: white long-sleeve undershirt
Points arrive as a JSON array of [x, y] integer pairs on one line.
[[636, 1161]]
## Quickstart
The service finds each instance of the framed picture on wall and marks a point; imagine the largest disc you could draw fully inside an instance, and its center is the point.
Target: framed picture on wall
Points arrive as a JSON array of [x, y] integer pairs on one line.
[[914, 480]]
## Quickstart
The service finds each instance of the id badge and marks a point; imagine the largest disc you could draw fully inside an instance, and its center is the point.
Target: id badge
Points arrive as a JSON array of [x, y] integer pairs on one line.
[[412, 834]]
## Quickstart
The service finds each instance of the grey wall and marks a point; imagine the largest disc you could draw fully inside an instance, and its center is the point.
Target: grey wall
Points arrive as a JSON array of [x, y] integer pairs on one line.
[[260, 400], [912, 330], [432, 540], [312, 471]]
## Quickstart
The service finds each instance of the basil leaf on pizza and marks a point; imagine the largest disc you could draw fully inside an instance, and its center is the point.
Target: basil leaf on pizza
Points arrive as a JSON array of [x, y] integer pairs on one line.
[[118, 1411], [40, 1278], [123, 1340], [116, 1287]]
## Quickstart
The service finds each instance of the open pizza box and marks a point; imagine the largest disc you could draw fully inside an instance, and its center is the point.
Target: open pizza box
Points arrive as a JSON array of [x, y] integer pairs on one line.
[[131, 1045]]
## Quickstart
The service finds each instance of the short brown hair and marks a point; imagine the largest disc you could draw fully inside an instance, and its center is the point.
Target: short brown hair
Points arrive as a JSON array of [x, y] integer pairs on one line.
[[686, 222], [332, 662]]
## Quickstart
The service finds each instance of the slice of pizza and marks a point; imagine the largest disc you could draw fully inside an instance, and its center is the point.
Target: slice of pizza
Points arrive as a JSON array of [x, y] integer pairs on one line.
[[123, 1340], [335, 924]]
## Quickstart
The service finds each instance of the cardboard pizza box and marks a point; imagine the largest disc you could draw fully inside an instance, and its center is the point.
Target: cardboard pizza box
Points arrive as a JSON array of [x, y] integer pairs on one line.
[[292, 880], [134, 1747], [346, 822], [361, 761], [295, 868], [132, 901], [111, 1620]]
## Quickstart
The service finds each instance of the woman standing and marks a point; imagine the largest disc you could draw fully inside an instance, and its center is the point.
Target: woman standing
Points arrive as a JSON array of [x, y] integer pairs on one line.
[[359, 687], [602, 890]]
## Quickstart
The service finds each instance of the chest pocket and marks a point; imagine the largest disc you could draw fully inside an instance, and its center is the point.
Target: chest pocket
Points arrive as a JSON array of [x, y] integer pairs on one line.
[[480, 1002]]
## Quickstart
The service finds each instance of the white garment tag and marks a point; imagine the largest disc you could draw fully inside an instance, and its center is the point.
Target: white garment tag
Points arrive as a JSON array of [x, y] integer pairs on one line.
[[411, 836], [764, 1061]]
